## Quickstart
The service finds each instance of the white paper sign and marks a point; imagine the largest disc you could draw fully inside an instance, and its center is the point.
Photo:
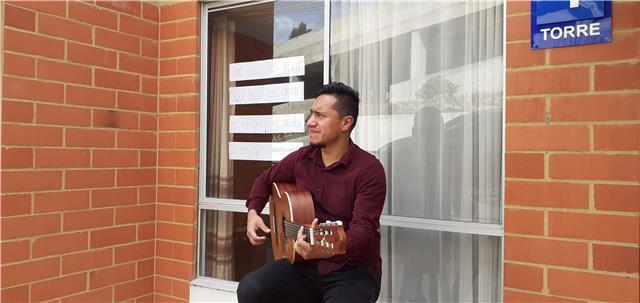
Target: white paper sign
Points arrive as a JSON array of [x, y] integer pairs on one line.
[[273, 68], [261, 151], [270, 93], [267, 124]]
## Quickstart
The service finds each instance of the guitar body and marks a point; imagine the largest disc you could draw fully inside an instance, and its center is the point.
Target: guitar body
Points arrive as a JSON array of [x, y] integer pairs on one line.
[[289, 210], [288, 204]]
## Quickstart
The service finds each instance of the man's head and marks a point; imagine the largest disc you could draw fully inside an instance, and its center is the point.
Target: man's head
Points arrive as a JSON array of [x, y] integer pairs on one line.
[[333, 114]]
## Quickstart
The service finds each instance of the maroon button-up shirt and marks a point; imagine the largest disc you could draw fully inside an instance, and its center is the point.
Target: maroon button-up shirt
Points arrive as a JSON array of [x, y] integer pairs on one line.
[[352, 190]]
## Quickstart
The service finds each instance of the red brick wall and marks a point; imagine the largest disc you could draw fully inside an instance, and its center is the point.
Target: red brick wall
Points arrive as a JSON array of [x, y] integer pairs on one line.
[[572, 165], [79, 151], [178, 143]]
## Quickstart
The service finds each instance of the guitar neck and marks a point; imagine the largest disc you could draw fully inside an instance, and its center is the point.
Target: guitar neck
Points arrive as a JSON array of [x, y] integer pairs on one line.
[[291, 230]]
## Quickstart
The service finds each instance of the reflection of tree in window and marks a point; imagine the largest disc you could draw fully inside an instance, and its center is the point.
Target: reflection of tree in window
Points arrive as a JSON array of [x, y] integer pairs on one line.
[[298, 31]]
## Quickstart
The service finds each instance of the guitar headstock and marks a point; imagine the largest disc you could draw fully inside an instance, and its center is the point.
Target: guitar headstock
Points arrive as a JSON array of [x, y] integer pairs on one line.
[[330, 235]]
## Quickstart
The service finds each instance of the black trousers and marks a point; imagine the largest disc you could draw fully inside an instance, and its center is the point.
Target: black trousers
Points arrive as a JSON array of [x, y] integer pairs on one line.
[[282, 282]]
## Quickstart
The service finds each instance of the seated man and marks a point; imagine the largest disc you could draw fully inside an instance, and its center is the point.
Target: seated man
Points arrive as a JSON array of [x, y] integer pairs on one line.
[[346, 184]]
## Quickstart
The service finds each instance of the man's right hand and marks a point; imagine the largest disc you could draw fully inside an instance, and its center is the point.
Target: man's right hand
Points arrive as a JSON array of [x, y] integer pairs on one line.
[[255, 222]]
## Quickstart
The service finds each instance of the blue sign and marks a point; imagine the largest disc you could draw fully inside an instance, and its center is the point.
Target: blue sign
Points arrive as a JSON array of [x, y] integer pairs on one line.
[[558, 23]]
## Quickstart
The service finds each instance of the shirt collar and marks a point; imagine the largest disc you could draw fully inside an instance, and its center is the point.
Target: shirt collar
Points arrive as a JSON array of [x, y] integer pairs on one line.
[[344, 160]]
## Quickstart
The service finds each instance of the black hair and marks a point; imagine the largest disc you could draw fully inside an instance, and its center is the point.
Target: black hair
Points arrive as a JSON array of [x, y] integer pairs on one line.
[[348, 99]]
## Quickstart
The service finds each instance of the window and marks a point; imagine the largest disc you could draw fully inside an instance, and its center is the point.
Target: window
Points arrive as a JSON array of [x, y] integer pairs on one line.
[[430, 75]]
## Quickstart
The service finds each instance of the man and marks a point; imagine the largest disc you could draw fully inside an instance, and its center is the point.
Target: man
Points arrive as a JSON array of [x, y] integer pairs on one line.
[[347, 184]]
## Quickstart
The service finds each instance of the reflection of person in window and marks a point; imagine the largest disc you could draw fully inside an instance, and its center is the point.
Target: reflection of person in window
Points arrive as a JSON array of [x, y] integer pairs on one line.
[[346, 184]]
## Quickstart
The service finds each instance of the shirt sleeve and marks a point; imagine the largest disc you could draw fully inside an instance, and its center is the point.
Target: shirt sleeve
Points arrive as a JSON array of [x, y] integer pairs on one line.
[[283, 171], [370, 195]]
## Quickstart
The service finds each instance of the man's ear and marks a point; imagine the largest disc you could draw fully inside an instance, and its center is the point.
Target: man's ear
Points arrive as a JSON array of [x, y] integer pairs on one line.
[[347, 122]]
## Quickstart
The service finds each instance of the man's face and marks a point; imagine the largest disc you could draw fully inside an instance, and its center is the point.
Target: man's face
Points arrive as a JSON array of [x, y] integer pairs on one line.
[[325, 124]]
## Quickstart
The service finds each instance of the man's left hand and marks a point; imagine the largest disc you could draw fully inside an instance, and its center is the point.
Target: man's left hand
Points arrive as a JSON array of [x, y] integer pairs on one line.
[[307, 251]]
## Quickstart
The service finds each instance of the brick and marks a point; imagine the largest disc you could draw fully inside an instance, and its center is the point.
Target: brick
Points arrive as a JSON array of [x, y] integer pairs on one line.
[[617, 76], [62, 158], [51, 7], [135, 214], [168, 30], [129, 7], [134, 252], [521, 221], [138, 64], [515, 296], [101, 295], [117, 41], [187, 28], [64, 28], [547, 194], [594, 227], [150, 48], [115, 119], [624, 46], [522, 276], [167, 104], [134, 289], [86, 219], [188, 103], [178, 11], [627, 14], [90, 96], [19, 65], [186, 214], [112, 275], [15, 294], [617, 197], [114, 197], [137, 102], [139, 27], [117, 80], [32, 90], [17, 157], [20, 18], [594, 167], [557, 80], [596, 107], [22, 42], [112, 236], [29, 271], [115, 158], [186, 140], [177, 158], [617, 137], [518, 27], [136, 139], [148, 122], [184, 252], [616, 258], [165, 212], [150, 12], [163, 285], [149, 85], [136, 176], [60, 244], [15, 205], [164, 249], [145, 268], [172, 268], [14, 251], [91, 55], [175, 232], [178, 48], [176, 195], [187, 66], [14, 111], [87, 260], [592, 286], [520, 55], [186, 177], [93, 15], [147, 194], [60, 201], [178, 85], [59, 287], [546, 251], [168, 67], [79, 137], [178, 121], [62, 115], [146, 231], [524, 165], [525, 110], [547, 138], [89, 178], [27, 181]]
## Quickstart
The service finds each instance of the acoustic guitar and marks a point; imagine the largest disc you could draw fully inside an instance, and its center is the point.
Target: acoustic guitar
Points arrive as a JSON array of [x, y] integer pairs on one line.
[[289, 209]]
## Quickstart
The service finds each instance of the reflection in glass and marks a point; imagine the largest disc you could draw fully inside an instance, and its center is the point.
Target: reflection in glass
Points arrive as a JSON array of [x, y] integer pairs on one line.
[[432, 266], [430, 79]]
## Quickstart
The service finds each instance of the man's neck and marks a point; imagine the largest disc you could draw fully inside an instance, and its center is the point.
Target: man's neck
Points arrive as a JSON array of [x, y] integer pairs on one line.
[[333, 153]]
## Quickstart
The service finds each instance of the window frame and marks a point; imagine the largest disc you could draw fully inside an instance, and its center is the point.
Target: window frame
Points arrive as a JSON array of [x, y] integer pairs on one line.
[[237, 205]]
